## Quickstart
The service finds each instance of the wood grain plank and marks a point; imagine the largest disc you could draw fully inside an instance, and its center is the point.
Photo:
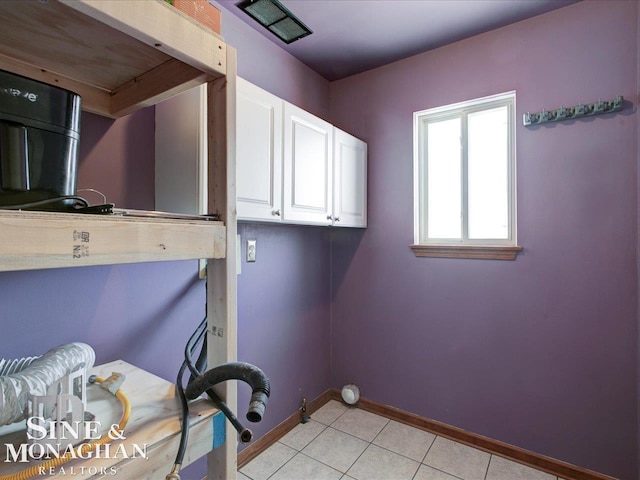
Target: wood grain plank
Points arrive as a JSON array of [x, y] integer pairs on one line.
[[161, 26], [60, 39], [467, 251], [36, 240], [154, 86], [222, 308], [118, 56]]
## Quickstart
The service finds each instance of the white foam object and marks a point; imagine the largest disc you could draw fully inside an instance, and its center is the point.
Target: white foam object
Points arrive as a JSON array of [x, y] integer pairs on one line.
[[351, 394]]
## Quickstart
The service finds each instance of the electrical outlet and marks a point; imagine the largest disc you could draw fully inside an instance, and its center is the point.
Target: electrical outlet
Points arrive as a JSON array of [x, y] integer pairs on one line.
[[251, 250]]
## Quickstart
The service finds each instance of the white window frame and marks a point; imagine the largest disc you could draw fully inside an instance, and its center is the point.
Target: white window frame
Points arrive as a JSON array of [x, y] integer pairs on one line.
[[420, 121]]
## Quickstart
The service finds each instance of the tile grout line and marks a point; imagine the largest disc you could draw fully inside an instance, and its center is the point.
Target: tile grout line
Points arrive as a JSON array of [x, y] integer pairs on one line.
[[350, 408], [558, 469], [317, 460], [438, 470], [282, 466], [488, 465], [429, 449], [368, 445], [322, 463], [422, 462], [299, 452], [358, 457]]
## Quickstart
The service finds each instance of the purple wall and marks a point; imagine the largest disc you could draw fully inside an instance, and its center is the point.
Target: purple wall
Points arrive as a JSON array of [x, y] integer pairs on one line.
[[541, 352], [118, 159], [638, 257], [283, 298], [137, 313], [283, 313]]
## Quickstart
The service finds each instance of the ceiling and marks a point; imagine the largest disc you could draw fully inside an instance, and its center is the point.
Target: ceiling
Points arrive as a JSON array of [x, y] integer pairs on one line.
[[352, 36]]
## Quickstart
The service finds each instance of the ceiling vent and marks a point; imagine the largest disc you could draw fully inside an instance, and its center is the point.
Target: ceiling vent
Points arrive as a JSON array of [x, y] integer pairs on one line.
[[276, 18]]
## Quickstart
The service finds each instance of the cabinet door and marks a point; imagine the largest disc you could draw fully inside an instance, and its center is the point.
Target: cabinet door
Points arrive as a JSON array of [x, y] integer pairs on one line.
[[258, 153], [350, 180], [308, 164]]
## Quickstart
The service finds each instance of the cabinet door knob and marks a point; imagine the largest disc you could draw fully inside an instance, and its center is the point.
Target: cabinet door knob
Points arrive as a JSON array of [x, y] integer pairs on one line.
[[337, 219], [329, 217], [275, 212]]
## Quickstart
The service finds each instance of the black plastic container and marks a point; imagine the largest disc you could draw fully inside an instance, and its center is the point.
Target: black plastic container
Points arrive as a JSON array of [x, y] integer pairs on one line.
[[39, 136]]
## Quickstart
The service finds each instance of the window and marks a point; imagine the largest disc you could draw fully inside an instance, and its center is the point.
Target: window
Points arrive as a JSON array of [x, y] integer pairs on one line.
[[464, 179]]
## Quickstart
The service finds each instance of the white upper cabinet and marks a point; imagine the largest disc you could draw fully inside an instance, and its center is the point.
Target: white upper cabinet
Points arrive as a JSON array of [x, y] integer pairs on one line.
[[308, 168], [258, 153], [349, 180], [292, 167]]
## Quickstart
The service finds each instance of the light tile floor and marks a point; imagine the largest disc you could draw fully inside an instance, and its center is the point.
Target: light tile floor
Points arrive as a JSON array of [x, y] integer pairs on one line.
[[343, 443]]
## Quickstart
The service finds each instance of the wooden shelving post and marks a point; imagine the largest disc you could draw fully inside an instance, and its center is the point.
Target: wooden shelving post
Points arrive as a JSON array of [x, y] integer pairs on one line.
[[221, 273]]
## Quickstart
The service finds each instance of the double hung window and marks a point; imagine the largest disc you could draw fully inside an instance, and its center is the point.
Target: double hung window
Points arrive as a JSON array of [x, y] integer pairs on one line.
[[464, 178]]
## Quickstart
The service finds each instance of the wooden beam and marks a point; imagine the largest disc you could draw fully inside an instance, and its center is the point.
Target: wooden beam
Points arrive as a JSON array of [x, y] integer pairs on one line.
[[154, 86], [221, 274], [36, 240], [173, 34]]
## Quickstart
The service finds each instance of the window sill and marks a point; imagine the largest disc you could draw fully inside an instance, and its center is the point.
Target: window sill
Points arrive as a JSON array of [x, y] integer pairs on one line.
[[506, 252]]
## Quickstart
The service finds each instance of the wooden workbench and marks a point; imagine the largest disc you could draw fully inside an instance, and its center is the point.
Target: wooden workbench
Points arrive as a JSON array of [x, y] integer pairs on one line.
[[154, 422]]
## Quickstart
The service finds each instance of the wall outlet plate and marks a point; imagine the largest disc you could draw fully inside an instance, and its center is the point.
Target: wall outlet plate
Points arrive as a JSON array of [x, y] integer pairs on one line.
[[251, 250]]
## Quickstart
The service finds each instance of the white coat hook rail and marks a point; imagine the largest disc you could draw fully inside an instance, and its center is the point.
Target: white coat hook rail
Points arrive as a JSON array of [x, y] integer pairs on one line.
[[562, 113]]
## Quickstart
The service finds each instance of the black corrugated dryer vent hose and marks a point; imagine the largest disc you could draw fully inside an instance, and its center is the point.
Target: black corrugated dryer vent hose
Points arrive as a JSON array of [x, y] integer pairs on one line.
[[245, 372]]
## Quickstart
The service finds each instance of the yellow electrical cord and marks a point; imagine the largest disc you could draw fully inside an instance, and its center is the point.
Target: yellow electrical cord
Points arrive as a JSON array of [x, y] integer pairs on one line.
[[80, 451]]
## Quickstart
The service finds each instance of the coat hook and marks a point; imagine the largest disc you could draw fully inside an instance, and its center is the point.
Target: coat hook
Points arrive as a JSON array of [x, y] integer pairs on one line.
[[561, 113], [580, 110]]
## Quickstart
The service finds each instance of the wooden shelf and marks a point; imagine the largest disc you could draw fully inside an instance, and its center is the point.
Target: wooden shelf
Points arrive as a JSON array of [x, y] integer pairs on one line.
[[154, 422], [121, 56], [118, 56], [36, 240]]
